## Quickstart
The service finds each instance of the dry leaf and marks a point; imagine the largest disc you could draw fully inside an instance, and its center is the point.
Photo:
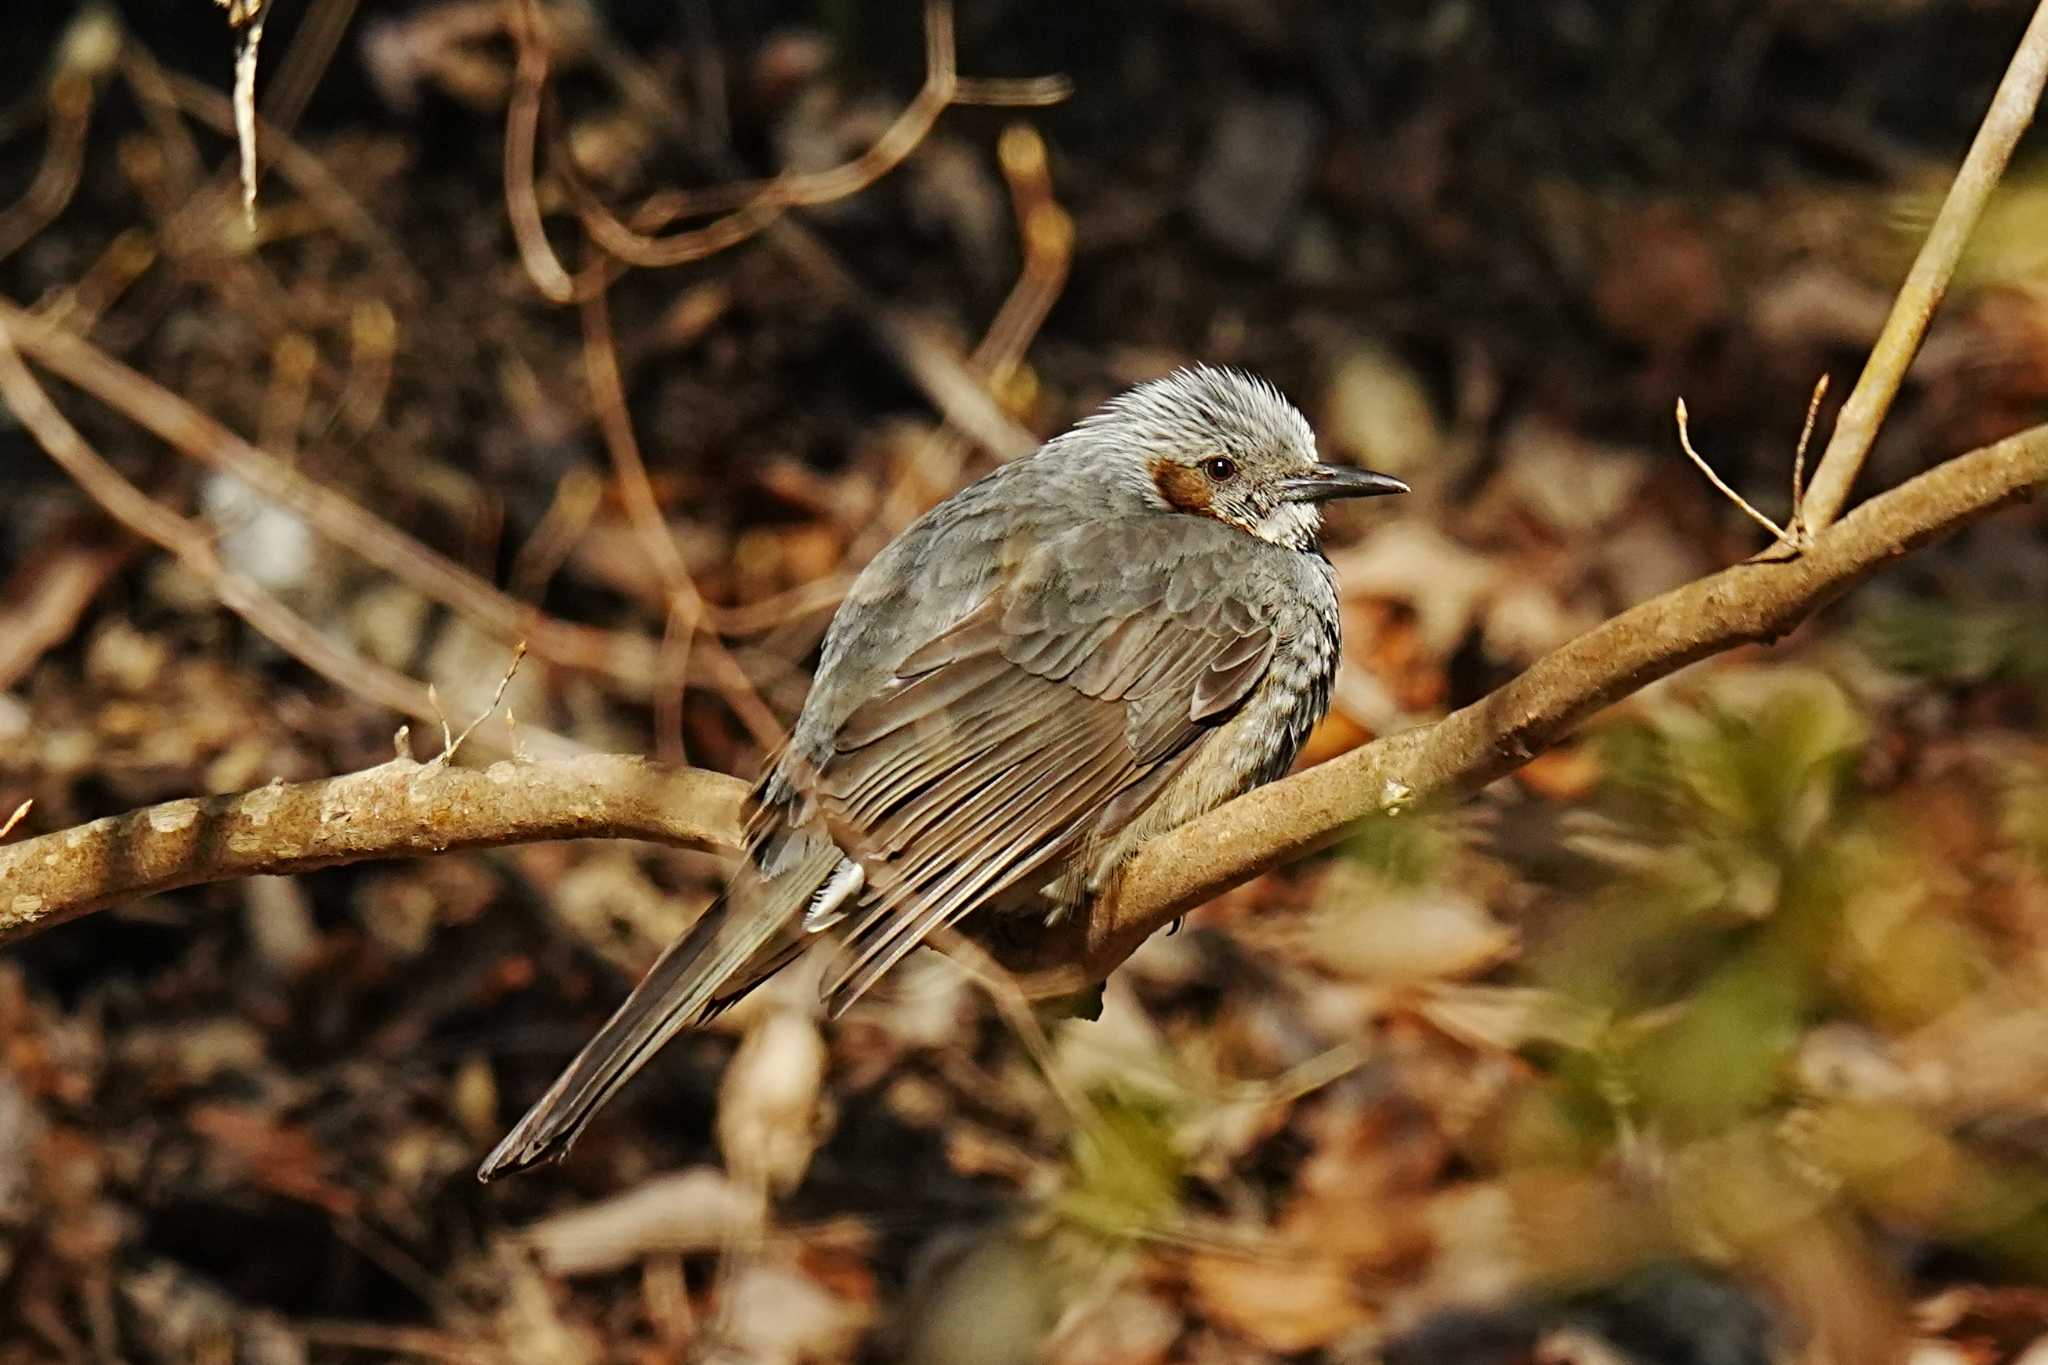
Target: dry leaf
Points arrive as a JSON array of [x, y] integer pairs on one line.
[[1289, 1299], [693, 1210]]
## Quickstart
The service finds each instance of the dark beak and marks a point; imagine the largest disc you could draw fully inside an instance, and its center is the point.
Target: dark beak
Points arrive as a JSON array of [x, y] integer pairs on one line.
[[1327, 481]]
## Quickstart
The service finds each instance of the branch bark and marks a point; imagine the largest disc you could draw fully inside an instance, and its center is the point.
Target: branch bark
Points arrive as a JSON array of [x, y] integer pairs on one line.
[[2012, 110], [1751, 603], [406, 809], [400, 809]]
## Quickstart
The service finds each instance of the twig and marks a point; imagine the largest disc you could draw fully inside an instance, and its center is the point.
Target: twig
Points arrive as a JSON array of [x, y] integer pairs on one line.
[[57, 176], [313, 45], [1796, 536], [522, 123], [1820, 391], [248, 16], [1045, 235], [569, 515], [628, 659], [686, 604], [930, 363], [2012, 109], [751, 206], [448, 752], [152, 521], [399, 809], [19, 812]]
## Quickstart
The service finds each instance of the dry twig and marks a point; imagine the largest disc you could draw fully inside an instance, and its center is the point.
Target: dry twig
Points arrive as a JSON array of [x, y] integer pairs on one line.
[[628, 659], [686, 604], [56, 178], [1045, 235], [154, 522], [1794, 534], [752, 205]]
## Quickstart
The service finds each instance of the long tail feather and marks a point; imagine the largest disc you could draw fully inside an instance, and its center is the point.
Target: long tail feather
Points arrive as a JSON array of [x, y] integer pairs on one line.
[[717, 960]]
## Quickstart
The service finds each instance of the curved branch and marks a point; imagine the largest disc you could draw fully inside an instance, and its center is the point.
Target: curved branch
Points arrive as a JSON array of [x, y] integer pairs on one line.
[[1751, 603], [406, 809], [399, 809]]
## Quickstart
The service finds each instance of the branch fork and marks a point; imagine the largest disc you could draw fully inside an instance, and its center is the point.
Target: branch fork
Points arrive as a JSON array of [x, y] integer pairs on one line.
[[1795, 535]]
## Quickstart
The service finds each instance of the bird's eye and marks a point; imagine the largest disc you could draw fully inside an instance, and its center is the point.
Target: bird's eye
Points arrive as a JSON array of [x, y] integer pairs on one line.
[[1221, 469]]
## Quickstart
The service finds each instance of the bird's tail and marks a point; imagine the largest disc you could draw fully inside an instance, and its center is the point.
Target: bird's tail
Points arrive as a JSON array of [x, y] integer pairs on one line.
[[715, 962]]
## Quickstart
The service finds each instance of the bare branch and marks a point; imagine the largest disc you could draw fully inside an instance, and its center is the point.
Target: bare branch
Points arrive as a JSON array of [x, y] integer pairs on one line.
[[63, 165], [402, 809], [248, 16], [1750, 603], [2012, 109], [399, 809]]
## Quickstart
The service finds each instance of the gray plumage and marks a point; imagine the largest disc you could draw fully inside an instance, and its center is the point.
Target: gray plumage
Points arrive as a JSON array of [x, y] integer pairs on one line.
[[1078, 651]]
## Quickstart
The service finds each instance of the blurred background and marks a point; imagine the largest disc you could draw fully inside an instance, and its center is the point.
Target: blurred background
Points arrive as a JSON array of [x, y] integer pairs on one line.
[[1717, 1036]]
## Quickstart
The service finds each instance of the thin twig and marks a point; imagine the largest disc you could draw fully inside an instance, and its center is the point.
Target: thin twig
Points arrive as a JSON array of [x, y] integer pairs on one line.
[[750, 206], [313, 45], [1820, 391], [608, 402], [194, 548], [1778, 533], [248, 16], [929, 362], [1045, 236], [447, 754], [63, 164], [627, 658], [522, 124], [1856, 428]]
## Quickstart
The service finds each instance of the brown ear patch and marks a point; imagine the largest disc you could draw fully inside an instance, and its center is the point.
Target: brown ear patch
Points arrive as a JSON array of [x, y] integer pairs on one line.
[[1185, 490]]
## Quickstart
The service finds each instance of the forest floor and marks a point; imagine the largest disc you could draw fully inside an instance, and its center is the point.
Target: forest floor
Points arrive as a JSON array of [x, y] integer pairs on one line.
[[1717, 1036]]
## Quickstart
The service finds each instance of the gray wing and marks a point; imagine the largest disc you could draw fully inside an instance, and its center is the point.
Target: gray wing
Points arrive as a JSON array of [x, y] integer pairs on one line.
[[1105, 660]]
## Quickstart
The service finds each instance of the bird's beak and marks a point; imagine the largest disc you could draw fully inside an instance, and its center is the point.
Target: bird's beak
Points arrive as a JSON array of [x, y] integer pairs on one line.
[[1327, 481]]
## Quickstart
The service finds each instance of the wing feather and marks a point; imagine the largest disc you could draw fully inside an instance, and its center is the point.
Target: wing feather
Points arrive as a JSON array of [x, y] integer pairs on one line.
[[998, 745]]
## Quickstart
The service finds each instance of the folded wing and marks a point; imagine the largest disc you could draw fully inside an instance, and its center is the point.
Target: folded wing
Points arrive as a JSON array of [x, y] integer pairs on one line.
[[996, 747]]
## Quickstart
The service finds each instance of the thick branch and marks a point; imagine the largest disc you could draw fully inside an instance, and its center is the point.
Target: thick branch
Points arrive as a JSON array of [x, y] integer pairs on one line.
[[399, 809], [406, 809]]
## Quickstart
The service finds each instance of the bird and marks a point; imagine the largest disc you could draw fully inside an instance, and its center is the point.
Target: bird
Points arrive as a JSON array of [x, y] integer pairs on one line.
[[1083, 649]]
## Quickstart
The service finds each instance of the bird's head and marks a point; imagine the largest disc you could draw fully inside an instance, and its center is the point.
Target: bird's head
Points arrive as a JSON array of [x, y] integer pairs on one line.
[[1216, 443]]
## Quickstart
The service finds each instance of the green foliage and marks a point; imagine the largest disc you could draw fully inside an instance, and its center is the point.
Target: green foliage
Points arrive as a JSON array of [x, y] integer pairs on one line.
[[1124, 1170], [1932, 640], [1406, 849], [2026, 813], [1742, 889]]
